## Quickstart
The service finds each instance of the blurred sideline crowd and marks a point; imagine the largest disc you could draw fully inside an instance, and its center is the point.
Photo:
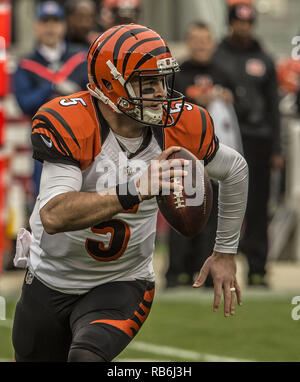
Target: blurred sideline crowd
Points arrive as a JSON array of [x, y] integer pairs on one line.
[[235, 79]]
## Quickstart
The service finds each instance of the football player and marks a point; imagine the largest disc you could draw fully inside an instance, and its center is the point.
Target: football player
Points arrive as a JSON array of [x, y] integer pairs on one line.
[[89, 285]]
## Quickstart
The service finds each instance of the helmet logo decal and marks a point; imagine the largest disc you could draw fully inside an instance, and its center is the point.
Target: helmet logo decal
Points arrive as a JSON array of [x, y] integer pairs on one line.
[[167, 63]]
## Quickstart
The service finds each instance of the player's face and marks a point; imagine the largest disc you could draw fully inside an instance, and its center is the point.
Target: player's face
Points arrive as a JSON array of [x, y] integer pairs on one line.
[[151, 87]]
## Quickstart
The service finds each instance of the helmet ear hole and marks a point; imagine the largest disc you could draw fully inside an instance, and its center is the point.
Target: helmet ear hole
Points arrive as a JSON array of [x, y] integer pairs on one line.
[[107, 84]]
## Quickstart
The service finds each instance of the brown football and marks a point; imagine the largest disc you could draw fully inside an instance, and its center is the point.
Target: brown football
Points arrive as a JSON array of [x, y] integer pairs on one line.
[[185, 211]]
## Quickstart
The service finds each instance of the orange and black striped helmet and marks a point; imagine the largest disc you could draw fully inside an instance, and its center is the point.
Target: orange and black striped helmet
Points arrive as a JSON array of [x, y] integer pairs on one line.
[[127, 52]]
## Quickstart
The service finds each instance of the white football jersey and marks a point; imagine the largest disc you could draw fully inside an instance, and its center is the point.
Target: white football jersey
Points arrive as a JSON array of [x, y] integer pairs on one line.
[[121, 249], [72, 131]]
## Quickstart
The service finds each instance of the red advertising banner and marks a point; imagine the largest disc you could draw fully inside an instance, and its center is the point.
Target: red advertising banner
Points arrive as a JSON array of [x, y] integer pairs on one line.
[[5, 21], [1, 123], [3, 66], [5, 37]]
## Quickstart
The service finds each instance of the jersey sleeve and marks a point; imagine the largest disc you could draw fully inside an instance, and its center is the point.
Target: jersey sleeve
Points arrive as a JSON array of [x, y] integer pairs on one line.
[[195, 132], [58, 179], [53, 139]]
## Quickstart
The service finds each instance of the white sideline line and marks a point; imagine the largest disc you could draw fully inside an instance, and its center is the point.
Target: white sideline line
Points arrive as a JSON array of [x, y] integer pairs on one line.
[[181, 353], [204, 296], [165, 351]]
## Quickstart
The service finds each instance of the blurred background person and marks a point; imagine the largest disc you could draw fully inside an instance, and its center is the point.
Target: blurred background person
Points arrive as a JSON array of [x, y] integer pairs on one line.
[[252, 74], [204, 83], [117, 12], [54, 68], [288, 74], [81, 22]]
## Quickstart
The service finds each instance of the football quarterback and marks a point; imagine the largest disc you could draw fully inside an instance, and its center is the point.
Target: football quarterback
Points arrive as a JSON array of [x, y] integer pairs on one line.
[[104, 154]]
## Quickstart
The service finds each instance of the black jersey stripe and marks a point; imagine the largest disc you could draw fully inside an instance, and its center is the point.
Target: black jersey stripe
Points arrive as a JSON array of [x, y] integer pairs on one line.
[[54, 131], [204, 127], [210, 148], [53, 155], [214, 144], [62, 121], [148, 56], [123, 38], [93, 61], [211, 121], [211, 145], [131, 50], [44, 126], [211, 152]]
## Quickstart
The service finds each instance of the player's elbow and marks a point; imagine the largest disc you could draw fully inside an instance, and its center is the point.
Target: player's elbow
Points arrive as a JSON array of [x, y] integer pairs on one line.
[[50, 222], [242, 167], [52, 217]]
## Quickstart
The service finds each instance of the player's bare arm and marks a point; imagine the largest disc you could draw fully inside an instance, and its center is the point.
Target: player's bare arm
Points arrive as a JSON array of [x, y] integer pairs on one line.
[[78, 210]]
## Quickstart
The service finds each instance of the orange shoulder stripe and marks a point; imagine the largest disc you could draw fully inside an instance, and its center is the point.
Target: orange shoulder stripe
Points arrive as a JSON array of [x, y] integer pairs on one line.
[[194, 131], [73, 122]]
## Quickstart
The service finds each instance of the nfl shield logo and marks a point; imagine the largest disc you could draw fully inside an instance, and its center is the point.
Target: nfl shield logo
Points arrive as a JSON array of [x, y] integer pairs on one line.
[[29, 277]]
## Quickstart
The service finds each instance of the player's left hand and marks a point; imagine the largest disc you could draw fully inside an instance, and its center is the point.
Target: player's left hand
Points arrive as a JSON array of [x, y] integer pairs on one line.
[[222, 268]]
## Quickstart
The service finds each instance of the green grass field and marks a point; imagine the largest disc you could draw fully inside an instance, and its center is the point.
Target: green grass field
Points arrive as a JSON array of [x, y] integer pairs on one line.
[[182, 327]]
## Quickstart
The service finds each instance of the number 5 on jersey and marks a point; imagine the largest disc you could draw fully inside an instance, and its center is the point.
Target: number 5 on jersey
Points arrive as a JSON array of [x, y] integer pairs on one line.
[[71, 101], [118, 232]]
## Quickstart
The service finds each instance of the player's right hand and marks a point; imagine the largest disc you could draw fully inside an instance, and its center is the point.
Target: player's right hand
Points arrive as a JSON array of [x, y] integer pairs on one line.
[[157, 179]]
